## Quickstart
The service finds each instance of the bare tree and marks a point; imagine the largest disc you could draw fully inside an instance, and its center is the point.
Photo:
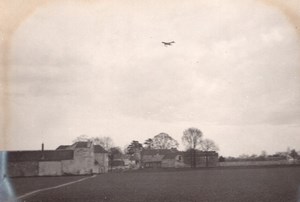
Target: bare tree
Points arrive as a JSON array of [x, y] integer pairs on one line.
[[192, 138], [206, 146], [81, 138], [106, 142], [164, 141]]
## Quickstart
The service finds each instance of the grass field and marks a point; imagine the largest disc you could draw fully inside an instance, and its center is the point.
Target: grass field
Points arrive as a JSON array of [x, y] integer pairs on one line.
[[27, 184], [254, 184]]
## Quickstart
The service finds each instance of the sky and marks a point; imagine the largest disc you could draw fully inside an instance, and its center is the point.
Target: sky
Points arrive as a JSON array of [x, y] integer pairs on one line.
[[100, 69]]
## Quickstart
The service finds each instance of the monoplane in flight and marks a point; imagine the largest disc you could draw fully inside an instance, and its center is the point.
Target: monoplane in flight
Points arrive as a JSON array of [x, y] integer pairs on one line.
[[168, 43]]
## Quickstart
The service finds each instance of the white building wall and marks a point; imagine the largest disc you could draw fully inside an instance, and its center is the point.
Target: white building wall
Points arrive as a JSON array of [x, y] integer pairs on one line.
[[102, 159], [69, 168], [47, 168], [83, 162]]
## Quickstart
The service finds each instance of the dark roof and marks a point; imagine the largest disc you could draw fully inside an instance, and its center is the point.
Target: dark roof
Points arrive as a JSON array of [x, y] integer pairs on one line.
[[62, 147], [171, 155], [201, 153], [81, 144], [47, 155], [158, 151], [99, 149]]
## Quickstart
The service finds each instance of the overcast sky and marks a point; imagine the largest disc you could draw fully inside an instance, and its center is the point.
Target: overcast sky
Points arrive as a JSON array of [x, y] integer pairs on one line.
[[100, 69]]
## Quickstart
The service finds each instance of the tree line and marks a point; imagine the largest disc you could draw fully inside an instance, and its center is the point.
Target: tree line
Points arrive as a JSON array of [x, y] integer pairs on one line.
[[192, 139], [292, 154]]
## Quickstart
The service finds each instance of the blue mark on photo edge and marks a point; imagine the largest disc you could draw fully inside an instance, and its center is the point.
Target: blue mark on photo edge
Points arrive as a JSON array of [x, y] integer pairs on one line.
[[6, 190]]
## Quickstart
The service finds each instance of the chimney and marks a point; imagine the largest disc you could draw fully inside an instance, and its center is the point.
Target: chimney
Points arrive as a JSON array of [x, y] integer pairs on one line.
[[42, 146]]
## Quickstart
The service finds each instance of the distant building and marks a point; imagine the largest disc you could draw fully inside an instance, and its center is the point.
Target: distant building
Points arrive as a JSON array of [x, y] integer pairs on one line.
[[202, 158], [123, 162], [117, 161], [172, 158], [79, 158], [129, 161], [153, 158], [101, 159]]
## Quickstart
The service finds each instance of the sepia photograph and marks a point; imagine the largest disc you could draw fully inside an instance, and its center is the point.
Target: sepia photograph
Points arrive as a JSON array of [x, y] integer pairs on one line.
[[149, 101]]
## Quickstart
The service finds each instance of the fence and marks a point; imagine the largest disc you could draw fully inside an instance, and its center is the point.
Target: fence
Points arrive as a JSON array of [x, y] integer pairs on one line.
[[258, 163]]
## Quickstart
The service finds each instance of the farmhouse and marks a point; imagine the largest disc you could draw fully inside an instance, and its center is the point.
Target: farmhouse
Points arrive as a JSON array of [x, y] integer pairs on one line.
[[201, 158], [78, 159], [155, 158], [117, 161], [172, 158]]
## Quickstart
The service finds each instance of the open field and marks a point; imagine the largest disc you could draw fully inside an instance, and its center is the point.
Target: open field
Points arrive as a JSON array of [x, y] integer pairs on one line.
[[24, 185], [254, 184]]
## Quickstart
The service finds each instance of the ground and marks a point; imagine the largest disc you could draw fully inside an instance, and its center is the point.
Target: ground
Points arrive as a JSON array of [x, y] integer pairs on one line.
[[238, 184]]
